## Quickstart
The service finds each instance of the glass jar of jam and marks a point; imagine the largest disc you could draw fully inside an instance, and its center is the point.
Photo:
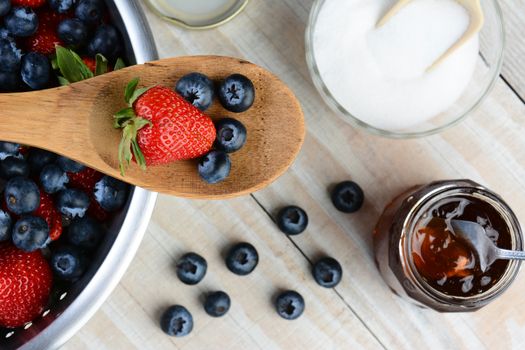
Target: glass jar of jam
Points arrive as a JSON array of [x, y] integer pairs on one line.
[[420, 258]]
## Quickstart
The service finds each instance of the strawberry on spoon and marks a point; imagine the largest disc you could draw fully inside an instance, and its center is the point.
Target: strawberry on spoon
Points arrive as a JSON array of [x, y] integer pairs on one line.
[[161, 127]]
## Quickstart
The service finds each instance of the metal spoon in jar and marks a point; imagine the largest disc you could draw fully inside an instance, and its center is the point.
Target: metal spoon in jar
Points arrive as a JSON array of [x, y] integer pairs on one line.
[[482, 246]]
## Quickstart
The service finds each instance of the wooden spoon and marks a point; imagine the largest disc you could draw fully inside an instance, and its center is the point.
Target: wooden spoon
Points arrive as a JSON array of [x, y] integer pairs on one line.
[[76, 121], [476, 24]]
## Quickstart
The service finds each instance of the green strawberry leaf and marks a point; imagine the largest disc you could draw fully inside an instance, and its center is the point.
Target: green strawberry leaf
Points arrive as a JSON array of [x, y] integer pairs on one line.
[[130, 90], [71, 65], [119, 64], [122, 116], [137, 94], [63, 81], [102, 65]]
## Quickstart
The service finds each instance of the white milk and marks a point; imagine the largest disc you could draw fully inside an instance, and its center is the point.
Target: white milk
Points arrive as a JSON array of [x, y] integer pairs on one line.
[[379, 75], [194, 10]]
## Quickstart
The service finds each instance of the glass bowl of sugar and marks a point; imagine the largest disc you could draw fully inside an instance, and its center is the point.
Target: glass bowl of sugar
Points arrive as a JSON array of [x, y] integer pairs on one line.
[[379, 78]]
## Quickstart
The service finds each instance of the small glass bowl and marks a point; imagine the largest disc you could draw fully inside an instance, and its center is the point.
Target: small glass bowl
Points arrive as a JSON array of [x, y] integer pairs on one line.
[[492, 42]]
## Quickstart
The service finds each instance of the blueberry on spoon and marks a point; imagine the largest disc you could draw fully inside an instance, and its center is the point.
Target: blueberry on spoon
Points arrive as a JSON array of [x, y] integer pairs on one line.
[[197, 89], [237, 93], [231, 135]]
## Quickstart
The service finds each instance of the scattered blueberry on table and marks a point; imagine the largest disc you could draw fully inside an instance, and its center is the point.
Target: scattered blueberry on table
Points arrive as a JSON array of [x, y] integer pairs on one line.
[[348, 197], [290, 305], [292, 220], [176, 321], [242, 259], [191, 268], [217, 304], [327, 272]]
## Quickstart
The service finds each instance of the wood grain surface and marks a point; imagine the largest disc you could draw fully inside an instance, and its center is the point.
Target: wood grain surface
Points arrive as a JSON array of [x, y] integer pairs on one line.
[[488, 147]]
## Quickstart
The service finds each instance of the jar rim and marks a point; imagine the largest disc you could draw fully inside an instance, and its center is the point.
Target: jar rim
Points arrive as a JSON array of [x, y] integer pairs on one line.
[[450, 189]]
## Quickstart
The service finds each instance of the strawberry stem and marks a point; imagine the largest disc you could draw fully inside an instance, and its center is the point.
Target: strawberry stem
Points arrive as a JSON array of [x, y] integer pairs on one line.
[[130, 123]]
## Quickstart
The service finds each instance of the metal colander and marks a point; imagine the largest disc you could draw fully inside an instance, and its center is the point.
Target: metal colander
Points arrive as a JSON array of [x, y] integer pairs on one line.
[[73, 304]]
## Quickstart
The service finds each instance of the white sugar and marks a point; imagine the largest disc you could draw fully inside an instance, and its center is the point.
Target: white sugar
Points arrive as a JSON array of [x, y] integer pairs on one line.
[[379, 75]]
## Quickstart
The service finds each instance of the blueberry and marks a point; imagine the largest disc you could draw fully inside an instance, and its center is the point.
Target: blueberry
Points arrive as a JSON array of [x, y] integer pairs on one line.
[[176, 321], [21, 21], [69, 165], [36, 70], [217, 304], [214, 167], [106, 41], [38, 159], [242, 259], [111, 193], [348, 197], [73, 31], [10, 81], [290, 305], [9, 149], [62, 6], [53, 178], [68, 263], [13, 167], [21, 195], [292, 220], [191, 268], [237, 93], [72, 202], [5, 226], [327, 272], [90, 11], [10, 56], [84, 233], [197, 89], [30, 233], [231, 135], [5, 7]]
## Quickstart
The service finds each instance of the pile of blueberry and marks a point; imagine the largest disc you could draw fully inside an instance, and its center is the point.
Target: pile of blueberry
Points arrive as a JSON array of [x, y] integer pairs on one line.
[[236, 94], [242, 259], [53, 203], [30, 31]]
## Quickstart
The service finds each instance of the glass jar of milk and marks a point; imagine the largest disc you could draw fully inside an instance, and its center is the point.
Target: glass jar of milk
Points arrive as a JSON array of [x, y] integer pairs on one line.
[[197, 14], [379, 78]]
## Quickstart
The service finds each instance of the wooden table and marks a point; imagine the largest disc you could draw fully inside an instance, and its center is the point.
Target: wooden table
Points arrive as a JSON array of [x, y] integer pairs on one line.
[[361, 312]]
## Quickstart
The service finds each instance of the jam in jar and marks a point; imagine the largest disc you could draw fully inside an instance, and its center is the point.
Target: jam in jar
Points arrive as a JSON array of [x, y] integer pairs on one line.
[[420, 257]]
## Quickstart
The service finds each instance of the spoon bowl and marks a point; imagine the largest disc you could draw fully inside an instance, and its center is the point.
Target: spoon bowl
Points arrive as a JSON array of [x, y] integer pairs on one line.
[[486, 252], [76, 121]]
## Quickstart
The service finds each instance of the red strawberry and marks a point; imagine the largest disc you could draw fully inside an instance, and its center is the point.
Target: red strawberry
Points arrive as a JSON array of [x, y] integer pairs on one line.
[[28, 3], [169, 128], [48, 212], [85, 179], [25, 285], [96, 211], [90, 63], [46, 38]]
